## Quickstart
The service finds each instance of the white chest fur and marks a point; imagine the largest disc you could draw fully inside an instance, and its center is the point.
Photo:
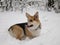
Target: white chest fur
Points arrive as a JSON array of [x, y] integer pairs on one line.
[[35, 32]]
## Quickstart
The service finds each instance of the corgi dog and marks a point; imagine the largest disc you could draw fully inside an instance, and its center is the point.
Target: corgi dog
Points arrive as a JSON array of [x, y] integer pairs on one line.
[[30, 29]]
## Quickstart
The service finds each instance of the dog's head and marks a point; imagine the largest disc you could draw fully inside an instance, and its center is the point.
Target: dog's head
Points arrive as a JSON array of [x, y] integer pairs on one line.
[[33, 21]]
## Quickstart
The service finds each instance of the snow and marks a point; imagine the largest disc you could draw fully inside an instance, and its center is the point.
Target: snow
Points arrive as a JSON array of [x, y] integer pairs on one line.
[[50, 32]]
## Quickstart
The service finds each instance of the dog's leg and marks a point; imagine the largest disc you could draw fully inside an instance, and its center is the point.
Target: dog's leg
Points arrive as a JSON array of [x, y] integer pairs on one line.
[[17, 32], [29, 34], [20, 37]]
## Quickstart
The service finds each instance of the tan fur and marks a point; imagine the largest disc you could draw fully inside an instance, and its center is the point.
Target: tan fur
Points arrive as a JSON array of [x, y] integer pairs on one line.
[[17, 31], [28, 33], [33, 17]]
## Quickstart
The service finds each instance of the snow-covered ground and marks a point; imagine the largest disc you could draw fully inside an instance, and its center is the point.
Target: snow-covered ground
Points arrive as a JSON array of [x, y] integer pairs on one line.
[[50, 32]]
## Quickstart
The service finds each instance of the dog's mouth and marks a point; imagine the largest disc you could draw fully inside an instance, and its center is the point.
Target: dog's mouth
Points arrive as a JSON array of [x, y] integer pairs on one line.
[[29, 25]]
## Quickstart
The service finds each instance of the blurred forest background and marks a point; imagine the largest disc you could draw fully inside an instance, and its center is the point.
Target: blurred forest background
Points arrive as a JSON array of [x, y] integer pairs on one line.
[[45, 5]]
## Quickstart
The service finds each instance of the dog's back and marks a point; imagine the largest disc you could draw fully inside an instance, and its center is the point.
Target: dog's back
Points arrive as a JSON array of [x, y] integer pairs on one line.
[[18, 30]]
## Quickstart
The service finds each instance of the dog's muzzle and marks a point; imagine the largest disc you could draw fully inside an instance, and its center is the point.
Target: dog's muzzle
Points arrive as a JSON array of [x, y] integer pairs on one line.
[[29, 25]]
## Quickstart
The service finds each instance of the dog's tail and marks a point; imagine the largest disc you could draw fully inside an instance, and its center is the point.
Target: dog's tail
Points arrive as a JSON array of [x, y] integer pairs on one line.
[[11, 28]]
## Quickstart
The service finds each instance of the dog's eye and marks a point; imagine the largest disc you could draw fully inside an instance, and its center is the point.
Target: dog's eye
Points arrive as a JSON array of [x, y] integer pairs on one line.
[[30, 20], [34, 18]]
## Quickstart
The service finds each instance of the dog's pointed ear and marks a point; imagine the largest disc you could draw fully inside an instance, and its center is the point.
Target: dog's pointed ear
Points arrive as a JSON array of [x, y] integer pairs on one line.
[[27, 15], [36, 15]]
